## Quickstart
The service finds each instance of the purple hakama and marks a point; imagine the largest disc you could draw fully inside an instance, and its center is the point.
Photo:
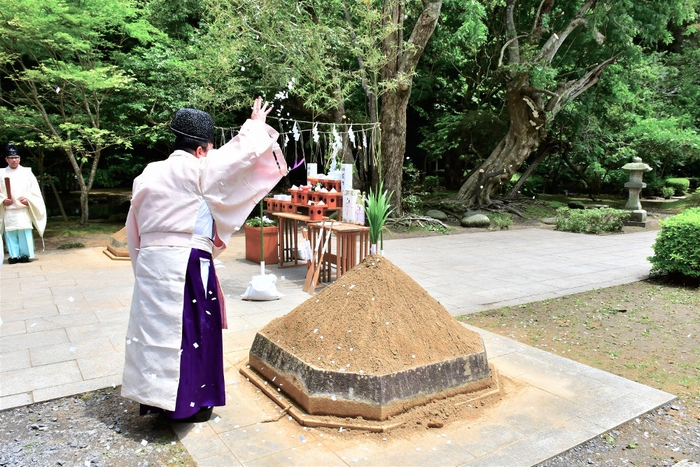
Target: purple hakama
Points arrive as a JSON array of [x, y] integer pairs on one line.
[[201, 382]]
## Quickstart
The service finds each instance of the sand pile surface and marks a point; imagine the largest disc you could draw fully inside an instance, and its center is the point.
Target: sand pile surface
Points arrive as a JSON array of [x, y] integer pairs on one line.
[[374, 320]]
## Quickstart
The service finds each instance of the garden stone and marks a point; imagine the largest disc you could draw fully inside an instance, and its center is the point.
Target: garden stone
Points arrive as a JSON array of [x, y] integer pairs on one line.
[[437, 214], [549, 221], [576, 205], [477, 220], [471, 213]]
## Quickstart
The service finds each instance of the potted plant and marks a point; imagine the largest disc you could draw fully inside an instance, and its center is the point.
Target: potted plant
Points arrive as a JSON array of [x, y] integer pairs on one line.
[[255, 240]]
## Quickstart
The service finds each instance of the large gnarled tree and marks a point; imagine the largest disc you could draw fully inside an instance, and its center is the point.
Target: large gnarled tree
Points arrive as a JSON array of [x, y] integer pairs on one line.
[[552, 53]]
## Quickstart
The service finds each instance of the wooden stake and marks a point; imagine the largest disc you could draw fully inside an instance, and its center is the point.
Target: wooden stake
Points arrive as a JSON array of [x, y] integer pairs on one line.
[[312, 264], [314, 281]]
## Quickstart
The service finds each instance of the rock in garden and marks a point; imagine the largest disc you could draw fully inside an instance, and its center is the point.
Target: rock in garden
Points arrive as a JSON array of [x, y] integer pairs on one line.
[[576, 205], [477, 220], [437, 214]]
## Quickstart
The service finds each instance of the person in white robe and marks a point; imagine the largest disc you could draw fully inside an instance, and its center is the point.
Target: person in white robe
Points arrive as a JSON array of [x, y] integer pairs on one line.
[[20, 209], [183, 212]]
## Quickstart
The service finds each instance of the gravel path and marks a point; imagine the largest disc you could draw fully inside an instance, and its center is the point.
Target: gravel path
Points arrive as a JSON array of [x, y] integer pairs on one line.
[[97, 429], [667, 436], [102, 429]]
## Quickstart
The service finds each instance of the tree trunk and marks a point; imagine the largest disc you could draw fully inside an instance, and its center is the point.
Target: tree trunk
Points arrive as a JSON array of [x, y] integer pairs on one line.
[[84, 212], [529, 107], [526, 132], [393, 145], [58, 198], [402, 59], [530, 169]]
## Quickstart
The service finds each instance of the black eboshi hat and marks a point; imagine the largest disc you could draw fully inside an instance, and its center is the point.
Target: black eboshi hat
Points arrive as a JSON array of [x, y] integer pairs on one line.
[[193, 123], [11, 149]]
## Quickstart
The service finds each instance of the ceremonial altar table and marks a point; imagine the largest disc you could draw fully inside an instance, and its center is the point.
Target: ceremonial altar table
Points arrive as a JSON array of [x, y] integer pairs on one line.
[[288, 223], [351, 247]]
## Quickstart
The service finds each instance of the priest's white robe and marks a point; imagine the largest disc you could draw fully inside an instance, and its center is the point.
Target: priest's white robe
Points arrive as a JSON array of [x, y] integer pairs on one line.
[[160, 225], [17, 216]]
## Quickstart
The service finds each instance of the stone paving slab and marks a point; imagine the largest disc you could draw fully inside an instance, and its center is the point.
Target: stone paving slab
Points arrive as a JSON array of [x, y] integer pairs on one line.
[[557, 405], [64, 318]]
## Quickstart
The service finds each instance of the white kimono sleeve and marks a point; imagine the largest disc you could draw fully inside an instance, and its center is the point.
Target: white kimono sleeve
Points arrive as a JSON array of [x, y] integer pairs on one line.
[[238, 175]]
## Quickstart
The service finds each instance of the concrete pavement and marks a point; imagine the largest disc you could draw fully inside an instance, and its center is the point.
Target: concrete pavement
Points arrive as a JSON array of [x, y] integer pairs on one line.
[[64, 320]]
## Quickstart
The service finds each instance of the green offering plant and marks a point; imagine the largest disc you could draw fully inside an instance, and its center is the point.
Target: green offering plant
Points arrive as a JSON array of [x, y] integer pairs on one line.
[[377, 212]]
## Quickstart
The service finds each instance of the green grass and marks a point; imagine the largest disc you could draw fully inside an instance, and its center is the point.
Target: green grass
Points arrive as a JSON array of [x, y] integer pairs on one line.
[[60, 228]]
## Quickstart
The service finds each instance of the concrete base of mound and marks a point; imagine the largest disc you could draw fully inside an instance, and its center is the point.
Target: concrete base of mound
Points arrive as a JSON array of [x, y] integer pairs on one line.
[[370, 396]]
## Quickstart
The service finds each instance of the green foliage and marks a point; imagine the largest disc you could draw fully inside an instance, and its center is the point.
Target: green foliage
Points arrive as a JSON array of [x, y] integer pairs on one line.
[[270, 44], [591, 221], [412, 193], [501, 221], [377, 211], [534, 185], [669, 140], [616, 179], [677, 247], [679, 185], [67, 246], [667, 192], [431, 182], [598, 129], [256, 221], [62, 79], [121, 172], [654, 183], [412, 202]]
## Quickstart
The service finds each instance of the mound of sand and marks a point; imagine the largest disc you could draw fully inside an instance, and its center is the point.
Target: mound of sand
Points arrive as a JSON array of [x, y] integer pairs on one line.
[[376, 320]]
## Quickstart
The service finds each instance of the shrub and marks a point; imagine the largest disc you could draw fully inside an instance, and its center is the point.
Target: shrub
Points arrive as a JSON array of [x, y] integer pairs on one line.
[[654, 183], [431, 183], [534, 185], [667, 192], [677, 247], [68, 246], [591, 220], [412, 203], [694, 200], [501, 221], [680, 185], [694, 183]]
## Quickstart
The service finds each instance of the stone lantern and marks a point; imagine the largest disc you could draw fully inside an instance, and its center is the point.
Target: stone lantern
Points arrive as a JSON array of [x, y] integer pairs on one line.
[[636, 168]]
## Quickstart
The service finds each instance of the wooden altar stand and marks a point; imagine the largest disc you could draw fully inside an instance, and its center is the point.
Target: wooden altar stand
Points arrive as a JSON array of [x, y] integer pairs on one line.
[[351, 247]]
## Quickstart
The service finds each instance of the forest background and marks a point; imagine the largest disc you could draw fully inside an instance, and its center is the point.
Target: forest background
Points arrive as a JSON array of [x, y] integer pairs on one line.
[[470, 96]]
